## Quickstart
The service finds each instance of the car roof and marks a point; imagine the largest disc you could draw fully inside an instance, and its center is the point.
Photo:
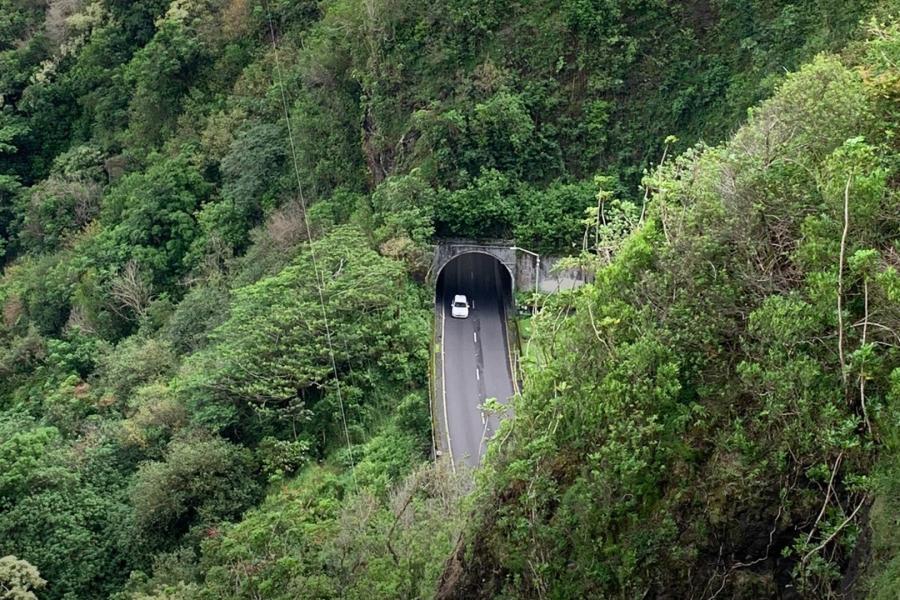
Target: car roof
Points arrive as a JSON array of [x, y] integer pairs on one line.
[[459, 298]]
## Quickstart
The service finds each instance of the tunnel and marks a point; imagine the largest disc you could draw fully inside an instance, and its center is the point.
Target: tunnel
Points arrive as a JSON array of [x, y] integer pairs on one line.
[[480, 277], [475, 362]]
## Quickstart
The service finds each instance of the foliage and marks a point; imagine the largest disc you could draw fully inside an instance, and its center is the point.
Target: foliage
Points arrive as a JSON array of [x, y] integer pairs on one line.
[[322, 540], [160, 73], [18, 579], [271, 361], [150, 220], [549, 219], [254, 158], [200, 311], [200, 483], [134, 362], [483, 209], [200, 201], [710, 401], [58, 503], [884, 574], [65, 202]]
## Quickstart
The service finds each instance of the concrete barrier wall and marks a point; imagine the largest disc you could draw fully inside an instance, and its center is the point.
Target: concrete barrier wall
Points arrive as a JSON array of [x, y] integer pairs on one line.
[[549, 281]]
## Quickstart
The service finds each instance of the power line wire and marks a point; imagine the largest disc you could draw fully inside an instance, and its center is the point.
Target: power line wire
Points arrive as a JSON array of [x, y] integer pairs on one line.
[[320, 280]]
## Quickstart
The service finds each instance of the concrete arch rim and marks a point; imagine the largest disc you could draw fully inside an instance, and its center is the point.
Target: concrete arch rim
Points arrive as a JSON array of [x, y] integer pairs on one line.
[[509, 271]]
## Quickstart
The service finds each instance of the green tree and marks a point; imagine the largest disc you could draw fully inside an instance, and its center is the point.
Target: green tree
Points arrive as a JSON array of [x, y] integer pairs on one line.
[[64, 203], [250, 174], [272, 357], [58, 504], [10, 188], [149, 219], [19, 579], [200, 483], [160, 74], [483, 209]]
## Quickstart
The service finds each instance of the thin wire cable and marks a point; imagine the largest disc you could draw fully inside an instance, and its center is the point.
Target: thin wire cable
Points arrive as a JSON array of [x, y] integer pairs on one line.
[[320, 280]]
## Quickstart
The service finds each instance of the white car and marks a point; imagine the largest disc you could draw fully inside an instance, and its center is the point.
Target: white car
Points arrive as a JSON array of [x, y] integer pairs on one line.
[[459, 309]]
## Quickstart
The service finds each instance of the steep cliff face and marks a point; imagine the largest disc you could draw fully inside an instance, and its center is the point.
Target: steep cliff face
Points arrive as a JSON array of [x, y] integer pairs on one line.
[[715, 414]]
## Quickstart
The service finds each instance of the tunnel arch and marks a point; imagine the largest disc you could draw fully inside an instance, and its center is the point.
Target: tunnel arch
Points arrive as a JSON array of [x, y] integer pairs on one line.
[[473, 273], [447, 250], [509, 271]]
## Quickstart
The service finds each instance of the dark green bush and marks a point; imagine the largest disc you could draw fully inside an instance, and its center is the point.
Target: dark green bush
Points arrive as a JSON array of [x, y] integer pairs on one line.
[[200, 483]]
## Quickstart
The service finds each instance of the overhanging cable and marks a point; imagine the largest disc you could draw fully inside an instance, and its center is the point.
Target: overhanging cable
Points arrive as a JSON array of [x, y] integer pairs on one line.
[[320, 280]]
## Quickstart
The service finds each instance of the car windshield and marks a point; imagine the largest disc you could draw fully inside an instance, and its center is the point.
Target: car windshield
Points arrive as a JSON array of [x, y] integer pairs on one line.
[[459, 304]]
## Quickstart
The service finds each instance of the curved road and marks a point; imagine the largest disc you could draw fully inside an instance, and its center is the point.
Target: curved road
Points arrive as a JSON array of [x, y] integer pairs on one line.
[[475, 359]]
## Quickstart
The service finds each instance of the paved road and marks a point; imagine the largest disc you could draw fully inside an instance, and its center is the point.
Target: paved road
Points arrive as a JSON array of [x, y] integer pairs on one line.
[[475, 360]]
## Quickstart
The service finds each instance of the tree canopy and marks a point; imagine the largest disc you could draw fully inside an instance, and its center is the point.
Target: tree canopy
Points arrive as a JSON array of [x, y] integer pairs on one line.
[[217, 222]]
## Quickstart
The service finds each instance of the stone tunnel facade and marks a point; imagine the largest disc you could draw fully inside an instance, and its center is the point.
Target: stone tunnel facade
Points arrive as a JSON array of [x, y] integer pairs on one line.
[[447, 250], [521, 265]]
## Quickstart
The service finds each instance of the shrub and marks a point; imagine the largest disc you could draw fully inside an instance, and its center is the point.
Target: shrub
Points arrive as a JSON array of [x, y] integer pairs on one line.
[[200, 483]]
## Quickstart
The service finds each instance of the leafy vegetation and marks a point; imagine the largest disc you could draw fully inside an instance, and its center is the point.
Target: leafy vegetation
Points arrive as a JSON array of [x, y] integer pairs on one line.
[[719, 434], [216, 222]]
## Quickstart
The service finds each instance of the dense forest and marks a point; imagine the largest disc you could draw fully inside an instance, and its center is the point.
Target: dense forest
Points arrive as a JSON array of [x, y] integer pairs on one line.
[[216, 223]]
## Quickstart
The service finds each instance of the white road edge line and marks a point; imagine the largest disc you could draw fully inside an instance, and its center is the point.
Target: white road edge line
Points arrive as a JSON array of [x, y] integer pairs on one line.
[[477, 374], [444, 384], [475, 336]]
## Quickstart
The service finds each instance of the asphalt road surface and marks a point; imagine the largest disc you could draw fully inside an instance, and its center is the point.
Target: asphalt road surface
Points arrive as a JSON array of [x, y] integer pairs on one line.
[[475, 354]]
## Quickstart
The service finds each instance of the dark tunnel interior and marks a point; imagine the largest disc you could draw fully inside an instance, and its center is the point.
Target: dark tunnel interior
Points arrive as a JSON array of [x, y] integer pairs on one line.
[[483, 279]]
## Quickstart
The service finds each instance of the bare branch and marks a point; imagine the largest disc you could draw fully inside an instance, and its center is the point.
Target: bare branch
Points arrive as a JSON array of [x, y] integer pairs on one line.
[[837, 463], [840, 291], [862, 372], [835, 532], [130, 291]]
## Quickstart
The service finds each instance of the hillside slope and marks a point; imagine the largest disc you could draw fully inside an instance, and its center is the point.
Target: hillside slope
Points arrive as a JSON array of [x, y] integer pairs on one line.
[[716, 415], [215, 226]]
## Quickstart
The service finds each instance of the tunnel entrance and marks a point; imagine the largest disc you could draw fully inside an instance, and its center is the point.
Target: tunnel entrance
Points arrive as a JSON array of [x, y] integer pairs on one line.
[[473, 362], [479, 276]]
